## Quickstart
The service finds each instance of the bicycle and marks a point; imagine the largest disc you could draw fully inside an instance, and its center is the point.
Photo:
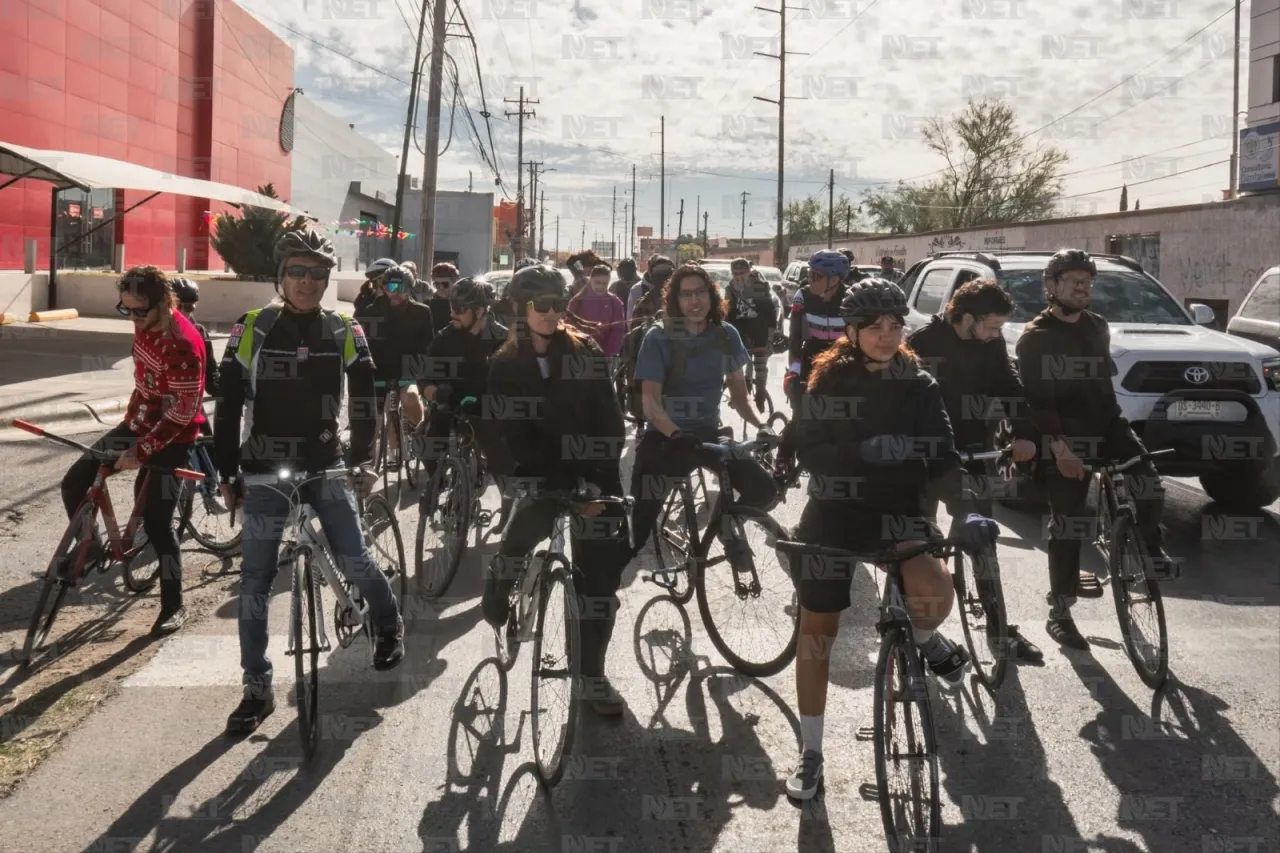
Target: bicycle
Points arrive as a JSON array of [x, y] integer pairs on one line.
[[214, 529], [71, 559], [531, 595], [686, 567], [1133, 589], [394, 451], [304, 548], [912, 819]]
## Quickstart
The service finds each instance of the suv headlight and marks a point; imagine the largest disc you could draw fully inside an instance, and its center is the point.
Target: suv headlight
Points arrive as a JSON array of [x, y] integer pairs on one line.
[[1271, 372]]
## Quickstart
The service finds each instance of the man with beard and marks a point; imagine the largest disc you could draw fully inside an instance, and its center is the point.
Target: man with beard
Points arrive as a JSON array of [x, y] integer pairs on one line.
[[1076, 413]]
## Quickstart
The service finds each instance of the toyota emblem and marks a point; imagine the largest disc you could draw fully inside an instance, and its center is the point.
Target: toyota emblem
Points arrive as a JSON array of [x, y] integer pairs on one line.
[[1196, 375]]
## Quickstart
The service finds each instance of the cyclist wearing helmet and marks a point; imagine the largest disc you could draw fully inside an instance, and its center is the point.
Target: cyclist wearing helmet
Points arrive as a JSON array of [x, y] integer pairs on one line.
[[187, 292], [443, 275], [751, 310], [855, 275], [287, 363], [399, 330], [873, 432], [1076, 413], [549, 394], [815, 318], [368, 290]]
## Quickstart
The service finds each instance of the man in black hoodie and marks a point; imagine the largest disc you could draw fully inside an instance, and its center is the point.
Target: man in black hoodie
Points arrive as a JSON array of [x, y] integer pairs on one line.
[[627, 279], [964, 349]]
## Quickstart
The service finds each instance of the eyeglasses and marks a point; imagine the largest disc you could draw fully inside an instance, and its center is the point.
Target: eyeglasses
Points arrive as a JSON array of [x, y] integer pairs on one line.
[[547, 304], [700, 293], [301, 271], [124, 311], [460, 307]]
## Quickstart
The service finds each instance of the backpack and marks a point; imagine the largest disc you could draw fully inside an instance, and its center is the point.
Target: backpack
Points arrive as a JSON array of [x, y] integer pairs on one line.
[[247, 340], [680, 354]]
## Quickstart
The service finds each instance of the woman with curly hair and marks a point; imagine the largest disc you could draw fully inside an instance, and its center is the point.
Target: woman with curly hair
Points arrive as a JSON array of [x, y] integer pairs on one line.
[[581, 266]]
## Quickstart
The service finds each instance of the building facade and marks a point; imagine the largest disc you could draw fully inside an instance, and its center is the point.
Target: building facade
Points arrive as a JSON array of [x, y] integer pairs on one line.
[[198, 88]]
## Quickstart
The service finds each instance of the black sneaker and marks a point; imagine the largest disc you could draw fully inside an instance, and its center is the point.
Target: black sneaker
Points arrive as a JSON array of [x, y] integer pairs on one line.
[[1065, 632], [249, 714], [388, 646], [1020, 648], [948, 661], [170, 622]]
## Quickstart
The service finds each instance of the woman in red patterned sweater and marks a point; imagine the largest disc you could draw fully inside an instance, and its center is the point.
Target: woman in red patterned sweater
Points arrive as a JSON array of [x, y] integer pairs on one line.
[[160, 425]]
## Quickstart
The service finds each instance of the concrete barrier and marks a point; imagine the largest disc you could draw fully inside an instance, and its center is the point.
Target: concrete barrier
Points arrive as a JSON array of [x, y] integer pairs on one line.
[[57, 314], [21, 293], [222, 299]]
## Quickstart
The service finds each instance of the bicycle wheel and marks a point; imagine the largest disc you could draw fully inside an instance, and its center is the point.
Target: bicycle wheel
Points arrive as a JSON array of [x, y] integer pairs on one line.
[[673, 543], [905, 746], [1139, 605], [202, 512], [751, 616], [980, 600], [553, 700], [306, 651], [59, 576], [386, 547], [141, 568], [444, 522]]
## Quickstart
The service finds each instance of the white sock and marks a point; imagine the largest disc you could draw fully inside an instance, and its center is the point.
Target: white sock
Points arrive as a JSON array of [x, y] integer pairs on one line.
[[921, 635], [811, 732]]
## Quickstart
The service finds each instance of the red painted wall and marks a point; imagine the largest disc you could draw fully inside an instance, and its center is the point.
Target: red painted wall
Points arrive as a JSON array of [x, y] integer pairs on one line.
[[193, 87]]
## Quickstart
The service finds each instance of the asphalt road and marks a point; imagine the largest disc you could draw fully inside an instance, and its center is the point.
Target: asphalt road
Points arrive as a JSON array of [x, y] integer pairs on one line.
[[1075, 755]]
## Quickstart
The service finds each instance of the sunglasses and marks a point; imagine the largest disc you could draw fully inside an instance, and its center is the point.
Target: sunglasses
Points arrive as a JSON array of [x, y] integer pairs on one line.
[[460, 307], [136, 312], [395, 286], [544, 305], [300, 271]]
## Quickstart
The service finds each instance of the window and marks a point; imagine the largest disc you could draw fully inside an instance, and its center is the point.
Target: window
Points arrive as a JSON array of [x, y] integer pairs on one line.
[[1264, 304], [965, 277], [1120, 296], [933, 290], [1143, 248], [79, 214]]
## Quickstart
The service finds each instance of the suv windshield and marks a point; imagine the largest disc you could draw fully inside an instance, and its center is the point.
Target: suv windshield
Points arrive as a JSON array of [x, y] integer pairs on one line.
[[1120, 296]]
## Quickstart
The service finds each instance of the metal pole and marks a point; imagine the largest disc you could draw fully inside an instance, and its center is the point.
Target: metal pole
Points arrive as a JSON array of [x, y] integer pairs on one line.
[[613, 227], [556, 259], [662, 198], [631, 235], [782, 124], [1235, 111], [430, 165], [542, 223], [408, 129], [742, 236], [831, 207]]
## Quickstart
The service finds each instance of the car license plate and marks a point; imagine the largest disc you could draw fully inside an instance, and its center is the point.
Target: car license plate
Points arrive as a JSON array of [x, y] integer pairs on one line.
[[1196, 410]]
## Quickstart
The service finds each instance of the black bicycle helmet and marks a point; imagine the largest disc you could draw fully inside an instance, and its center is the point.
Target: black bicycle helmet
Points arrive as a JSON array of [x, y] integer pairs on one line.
[[1066, 260], [471, 292], [534, 282], [378, 267], [185, 290], [310, 244], [872, 298], [399, 274], [525, 262]]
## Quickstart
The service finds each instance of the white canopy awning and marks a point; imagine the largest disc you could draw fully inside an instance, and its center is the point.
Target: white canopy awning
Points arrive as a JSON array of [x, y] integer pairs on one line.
[[66, 169]]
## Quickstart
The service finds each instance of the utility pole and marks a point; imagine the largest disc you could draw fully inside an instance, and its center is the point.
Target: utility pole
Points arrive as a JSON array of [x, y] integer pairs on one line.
[[780, 249], [697, 214], [583, 244], [742, 236], [631, 235], [848, 221], [680, 225], [831, 207], [414, 82], [662, 183], [556, 259], [522, 113], [613, 226], [542, 222], [705, 214], [625, 221], [1235, 111], [430, 163]]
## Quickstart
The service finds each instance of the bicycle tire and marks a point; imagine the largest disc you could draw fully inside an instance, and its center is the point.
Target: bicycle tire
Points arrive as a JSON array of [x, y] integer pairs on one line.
[[555, 571], [898, 653], [188, 513], [988, 643], [674, 542], [139, 572], [772, 661], [378, 518], [435, 572], [1130, 584], [40, 623], [306, 653]]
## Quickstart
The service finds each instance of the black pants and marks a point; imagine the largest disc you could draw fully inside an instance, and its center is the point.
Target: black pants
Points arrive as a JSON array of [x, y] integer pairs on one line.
[[978, 498], [599, 550], [161, 501], [658, 465], [1071, 523]]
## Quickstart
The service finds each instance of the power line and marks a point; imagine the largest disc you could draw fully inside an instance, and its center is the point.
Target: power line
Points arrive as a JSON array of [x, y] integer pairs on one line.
[[329, 48]]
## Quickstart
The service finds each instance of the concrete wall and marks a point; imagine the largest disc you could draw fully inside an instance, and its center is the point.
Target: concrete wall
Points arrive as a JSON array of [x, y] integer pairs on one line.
[[1264, 45], [464, 224], [21, 293], [221, 300], [1207, 251]]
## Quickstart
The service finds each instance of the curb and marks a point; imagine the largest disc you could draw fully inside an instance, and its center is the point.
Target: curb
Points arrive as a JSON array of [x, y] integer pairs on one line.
[[88, 411]]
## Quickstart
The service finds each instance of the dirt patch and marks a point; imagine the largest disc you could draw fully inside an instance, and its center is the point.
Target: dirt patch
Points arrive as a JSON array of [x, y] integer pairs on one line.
[[102, 637]]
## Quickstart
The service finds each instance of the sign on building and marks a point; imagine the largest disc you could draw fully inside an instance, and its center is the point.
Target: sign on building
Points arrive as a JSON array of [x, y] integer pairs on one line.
[[1260, 157]]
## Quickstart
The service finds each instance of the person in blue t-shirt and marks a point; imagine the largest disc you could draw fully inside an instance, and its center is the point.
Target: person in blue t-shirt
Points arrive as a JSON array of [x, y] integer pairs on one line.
[[683, 366]]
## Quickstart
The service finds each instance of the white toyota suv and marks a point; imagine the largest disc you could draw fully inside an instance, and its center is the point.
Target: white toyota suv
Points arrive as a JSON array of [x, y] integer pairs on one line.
[[1213, 398]]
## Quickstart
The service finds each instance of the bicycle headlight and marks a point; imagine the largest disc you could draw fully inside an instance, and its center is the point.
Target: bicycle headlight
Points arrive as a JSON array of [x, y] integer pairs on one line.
[[1271, 372]]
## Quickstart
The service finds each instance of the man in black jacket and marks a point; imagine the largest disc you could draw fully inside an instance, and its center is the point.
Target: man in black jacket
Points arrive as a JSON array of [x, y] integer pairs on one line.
[[964, 350], [400, 331], [752, 312], [1064, 356], [627, 279]]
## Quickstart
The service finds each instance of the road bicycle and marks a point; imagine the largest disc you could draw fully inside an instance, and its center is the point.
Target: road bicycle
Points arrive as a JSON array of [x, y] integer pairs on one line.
[[905, 743], [757, 590], [304, 549], [207, 518], [1134, 586], [77, 550], [450, 505], [395, 455], [544, 584]]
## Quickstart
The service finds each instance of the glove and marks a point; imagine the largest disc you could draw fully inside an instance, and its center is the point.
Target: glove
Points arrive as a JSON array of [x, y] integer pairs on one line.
[[978, 532], [884, 449], [685, 442], [788, 380]]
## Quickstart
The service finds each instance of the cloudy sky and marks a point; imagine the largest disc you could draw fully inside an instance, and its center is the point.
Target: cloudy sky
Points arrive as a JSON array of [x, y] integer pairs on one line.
[[1133, 90]]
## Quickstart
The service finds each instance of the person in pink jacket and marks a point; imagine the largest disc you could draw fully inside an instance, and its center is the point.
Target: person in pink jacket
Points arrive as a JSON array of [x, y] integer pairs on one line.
[[600, 314]]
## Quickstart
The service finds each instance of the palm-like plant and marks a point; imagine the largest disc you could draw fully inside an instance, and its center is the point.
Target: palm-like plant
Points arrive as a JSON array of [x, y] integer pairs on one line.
[[246, 241]]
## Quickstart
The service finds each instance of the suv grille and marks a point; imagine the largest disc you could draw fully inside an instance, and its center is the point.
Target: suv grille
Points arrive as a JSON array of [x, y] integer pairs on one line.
[[1162, 377]]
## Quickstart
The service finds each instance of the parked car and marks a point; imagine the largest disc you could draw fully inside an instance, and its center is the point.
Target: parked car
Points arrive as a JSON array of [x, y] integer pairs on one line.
[[1259, 316], [1211, 397]]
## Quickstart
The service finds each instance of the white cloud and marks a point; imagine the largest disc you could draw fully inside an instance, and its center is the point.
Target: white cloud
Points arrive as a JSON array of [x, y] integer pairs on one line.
[[604, 71]]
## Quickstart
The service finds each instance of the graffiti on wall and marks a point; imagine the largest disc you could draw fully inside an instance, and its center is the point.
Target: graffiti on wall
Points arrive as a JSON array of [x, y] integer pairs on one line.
[[947, 243]]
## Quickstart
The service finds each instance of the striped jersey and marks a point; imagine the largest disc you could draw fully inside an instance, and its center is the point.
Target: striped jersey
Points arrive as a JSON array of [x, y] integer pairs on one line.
[[815, 325]]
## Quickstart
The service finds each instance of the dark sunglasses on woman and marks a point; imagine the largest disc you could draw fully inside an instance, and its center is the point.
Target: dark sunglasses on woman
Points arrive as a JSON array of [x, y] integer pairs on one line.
[[301, 271], [135, 312], [549, 303]]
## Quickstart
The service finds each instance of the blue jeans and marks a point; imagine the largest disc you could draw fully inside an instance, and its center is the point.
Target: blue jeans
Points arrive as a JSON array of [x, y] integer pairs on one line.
[[265, 511]]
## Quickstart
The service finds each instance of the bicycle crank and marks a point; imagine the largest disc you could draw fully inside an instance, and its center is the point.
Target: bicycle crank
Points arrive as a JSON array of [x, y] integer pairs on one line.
[[348, 622]]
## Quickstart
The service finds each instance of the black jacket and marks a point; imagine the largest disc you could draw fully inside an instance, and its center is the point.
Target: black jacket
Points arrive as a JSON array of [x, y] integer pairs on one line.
[[440, 312], [212, 383], [460, 359], [752, 313], [563, 427], [979, 383], [398, 336], [1066, 369], [847, 405], [816, 324]]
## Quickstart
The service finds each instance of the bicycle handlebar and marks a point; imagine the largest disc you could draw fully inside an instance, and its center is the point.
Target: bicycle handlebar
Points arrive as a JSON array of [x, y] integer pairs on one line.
[[1114, 467], [739, 449], [101, 455]]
